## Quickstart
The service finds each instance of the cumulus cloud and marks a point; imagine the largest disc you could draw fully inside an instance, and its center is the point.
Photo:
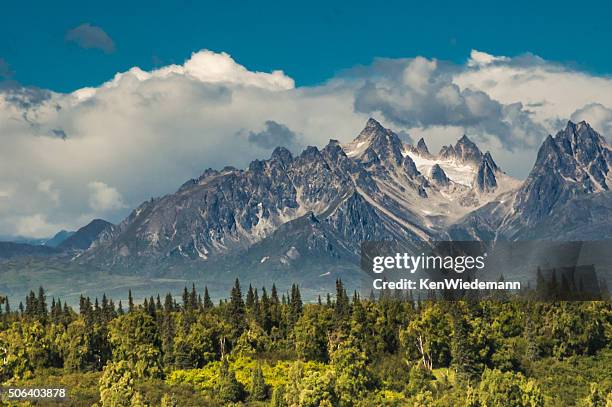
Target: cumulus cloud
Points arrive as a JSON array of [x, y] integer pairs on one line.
[[35, 225], [103, 197], [274, 135], [425, 95], [599, 117], [46, 186], [99, 152], [90, 36], [550, 91]]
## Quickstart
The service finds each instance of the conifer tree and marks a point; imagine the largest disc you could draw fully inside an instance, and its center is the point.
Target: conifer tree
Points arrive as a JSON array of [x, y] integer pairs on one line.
[[229, 389], [130, 301], [193, 298], [236, 310], [265, 312], [250, 299], [207, 303], [463, 356], [41, 304], [258, 390]]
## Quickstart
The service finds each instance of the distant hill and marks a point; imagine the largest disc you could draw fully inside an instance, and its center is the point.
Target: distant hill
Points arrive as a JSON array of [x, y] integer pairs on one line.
[[59, 238], [84, 237], [10, 249]]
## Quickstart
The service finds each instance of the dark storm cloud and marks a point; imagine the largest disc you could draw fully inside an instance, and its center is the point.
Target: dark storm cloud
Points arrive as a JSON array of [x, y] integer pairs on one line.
[[90, 36], [274, 135], [424, 95]]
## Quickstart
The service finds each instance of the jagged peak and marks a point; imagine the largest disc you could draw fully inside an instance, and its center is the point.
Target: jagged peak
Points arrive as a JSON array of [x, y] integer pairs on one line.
[[487, 158], [447, 151], [372, 130], [310, 152], [282, 154], [256, 165], [464, 139], [422, 147], [334, 149], [467, 151], [373, 124], [486, 181], [438, 175]]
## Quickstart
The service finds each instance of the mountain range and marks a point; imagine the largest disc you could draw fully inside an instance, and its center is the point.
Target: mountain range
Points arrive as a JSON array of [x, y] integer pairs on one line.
[[304, 217], [311, 211]]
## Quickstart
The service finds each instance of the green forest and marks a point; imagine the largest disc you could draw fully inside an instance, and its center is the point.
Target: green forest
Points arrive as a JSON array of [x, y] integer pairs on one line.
[[262, 347]]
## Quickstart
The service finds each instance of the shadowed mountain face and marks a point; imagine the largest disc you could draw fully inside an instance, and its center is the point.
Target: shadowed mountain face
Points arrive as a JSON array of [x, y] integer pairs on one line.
[[85, 236], [10, 250], [312, 211]]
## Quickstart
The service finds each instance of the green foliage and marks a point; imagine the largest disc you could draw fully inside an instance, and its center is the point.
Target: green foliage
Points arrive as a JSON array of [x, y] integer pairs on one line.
[[168, 401], [499, 389], [600, 395], [258, 390], [427, 336], [229, 389], [419, 379], [309, 388], [116, 385], [310, 334], [342, 352], [134, 339], [350, 373], [278, 397]]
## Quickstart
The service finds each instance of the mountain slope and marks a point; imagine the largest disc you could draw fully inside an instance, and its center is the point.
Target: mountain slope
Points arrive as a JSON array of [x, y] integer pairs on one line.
[[10, 250], [564, 197], [320, 205], [85, 236]]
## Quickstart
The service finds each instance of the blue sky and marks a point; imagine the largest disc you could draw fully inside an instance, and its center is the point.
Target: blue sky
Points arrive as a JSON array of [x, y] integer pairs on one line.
[[310, 41]]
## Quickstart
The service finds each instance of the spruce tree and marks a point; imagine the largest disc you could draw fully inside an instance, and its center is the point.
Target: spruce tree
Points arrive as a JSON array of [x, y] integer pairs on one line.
[[229, 389], [207, 303], [258, 390], [193, 298], [463, 357], [130, 301], [236, 310], [265, 312], [250, 299], [41, 304]]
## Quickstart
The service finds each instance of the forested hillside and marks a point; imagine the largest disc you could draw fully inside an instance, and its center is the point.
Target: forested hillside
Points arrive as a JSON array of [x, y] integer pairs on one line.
[[262, 347]]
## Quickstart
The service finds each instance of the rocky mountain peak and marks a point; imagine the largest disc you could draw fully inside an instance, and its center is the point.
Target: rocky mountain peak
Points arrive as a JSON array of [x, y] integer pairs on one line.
[[574, 162], [486, 180], [371, 128], [447, 152], [438, 176], [310, 153], [467, 151], [488, 159], [422, 148], [282, 155], [384, 142]]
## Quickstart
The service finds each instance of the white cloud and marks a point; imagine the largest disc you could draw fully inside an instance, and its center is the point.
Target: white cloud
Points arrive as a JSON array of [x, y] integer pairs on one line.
[[104, 198], [479, 59], [104, 150], [46, 186], [599, 116], [35, 225]]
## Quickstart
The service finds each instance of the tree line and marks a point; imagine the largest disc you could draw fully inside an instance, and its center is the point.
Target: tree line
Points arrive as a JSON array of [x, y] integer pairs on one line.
[[266, 347]]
